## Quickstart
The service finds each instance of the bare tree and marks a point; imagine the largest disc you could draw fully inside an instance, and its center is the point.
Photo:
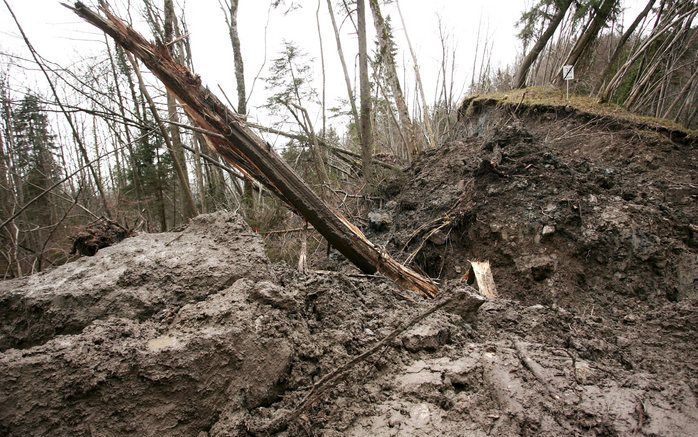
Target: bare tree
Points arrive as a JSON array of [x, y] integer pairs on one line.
[[365, 92], [189, 210], [231, 18], [418, 79], [598, 22], [622, 41], [386, 51], [671, 21], [562, 7], [340, 52]]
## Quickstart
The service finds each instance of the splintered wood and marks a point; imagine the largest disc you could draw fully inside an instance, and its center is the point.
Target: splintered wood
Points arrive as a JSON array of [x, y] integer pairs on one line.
[[484, 278], [247, 152]]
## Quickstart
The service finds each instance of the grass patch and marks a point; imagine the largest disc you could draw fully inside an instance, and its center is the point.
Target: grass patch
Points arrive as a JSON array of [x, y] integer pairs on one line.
[[555, 97]]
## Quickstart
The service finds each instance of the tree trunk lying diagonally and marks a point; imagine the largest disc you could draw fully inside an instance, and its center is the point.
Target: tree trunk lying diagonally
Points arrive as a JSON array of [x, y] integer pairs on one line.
[[244, 150]]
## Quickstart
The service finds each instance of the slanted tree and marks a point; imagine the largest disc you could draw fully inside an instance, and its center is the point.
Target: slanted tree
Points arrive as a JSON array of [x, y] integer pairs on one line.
[[386, 56], [603, 11], [529, 20], [620, 45], [345, 71]]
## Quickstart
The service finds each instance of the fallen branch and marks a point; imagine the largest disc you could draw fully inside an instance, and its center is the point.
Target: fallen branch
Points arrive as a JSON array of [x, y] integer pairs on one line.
[[241, 148], [466, 300], [534, 368]]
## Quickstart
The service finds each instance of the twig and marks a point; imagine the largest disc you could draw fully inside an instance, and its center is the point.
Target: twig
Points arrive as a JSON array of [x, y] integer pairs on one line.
[[59, 182], [284, 231], [533, 367]]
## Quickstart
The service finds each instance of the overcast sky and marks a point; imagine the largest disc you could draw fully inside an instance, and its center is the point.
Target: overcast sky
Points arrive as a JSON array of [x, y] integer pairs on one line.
[[63, 38]]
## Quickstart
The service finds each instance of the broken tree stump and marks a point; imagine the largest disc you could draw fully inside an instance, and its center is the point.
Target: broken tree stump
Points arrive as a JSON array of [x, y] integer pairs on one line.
[[243, 149], [97, 235]]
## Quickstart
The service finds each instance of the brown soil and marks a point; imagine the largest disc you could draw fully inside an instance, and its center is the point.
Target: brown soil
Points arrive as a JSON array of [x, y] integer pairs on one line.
[[591, 233]]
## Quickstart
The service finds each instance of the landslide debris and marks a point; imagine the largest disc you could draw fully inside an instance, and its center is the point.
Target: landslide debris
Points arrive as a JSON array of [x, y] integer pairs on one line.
[[590, 232], [571, 210]]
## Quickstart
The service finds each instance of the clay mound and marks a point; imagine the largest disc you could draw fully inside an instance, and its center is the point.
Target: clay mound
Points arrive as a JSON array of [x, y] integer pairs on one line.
[[204, 337], [568, 210], [135, 279]]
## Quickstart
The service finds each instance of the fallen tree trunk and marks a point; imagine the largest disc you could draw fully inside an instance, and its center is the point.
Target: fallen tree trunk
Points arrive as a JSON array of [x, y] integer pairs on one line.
[[244, 150]]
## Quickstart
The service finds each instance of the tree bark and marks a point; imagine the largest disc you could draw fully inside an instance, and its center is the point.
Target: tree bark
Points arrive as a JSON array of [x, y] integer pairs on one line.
[[531, 57], [365, 92], [243, 149], [385, 45]]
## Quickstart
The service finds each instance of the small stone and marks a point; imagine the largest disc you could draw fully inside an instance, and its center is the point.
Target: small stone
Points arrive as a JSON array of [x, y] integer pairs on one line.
[[425, 337], [420, 416], [274, 295], [380, 221], [622, 342], [548, 230], [583, 372], [439, 238]]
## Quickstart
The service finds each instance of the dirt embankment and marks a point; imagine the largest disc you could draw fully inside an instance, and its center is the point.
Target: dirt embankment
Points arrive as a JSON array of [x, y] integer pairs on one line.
[[570, 210], [591, 235]]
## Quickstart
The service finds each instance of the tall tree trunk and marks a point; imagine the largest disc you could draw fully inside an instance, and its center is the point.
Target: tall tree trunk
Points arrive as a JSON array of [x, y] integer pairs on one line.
[[365, 92], [322, 66], [621, 43], [180, 171], [531, 57], [418, 79], [232, 21], [188, 205], [590, 34], [386, 45], [237, 56], [127, 132], [347, 80]]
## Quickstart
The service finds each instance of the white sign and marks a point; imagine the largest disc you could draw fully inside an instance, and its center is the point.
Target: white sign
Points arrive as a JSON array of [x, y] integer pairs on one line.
[[568, 72]]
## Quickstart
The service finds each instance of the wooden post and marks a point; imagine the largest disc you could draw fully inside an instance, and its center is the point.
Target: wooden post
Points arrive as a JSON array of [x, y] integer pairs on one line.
[[244, 150]]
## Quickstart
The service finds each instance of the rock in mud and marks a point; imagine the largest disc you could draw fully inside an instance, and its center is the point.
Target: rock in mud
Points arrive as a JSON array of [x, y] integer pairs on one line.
[[425, 337], [380, 221]]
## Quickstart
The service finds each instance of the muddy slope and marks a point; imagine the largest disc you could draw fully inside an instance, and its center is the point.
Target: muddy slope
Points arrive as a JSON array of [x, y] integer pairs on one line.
[[218, 358], [569, 210], [590, 229]]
